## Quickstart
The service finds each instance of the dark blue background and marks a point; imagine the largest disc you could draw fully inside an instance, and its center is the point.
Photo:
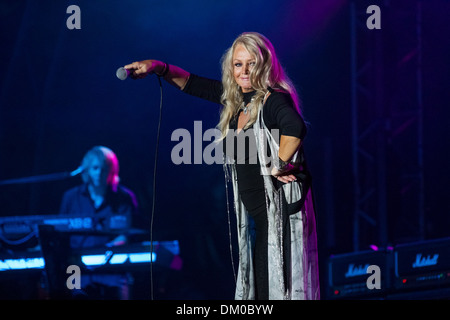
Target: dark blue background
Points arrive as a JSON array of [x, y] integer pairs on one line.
[[60, 96]]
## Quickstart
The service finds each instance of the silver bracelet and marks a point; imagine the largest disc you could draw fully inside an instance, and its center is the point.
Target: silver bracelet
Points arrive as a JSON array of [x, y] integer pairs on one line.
[[284, 166]]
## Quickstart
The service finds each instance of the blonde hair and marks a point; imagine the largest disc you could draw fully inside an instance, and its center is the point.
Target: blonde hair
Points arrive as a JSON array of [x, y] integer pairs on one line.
[[109, 162], [267, 72]]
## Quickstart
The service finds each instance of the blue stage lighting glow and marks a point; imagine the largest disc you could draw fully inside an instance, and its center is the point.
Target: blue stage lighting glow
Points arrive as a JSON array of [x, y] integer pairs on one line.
[[119, 258], [116, 259], [94, 259], [23, 263], [141, 257]]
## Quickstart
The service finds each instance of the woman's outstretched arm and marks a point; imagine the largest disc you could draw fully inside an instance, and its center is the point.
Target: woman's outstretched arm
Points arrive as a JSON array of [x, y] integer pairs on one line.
[[174, 75]]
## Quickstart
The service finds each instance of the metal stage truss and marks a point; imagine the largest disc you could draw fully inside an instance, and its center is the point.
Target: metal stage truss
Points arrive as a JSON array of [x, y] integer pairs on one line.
[[387, 124]]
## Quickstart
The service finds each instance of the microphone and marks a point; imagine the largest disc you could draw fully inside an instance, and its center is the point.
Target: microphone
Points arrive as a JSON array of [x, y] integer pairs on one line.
[[44, 177], [122, 73], [76, 171]]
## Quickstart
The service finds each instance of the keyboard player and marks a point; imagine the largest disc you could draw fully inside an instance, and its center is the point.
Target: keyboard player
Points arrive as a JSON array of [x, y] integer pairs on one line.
[[113, 208]]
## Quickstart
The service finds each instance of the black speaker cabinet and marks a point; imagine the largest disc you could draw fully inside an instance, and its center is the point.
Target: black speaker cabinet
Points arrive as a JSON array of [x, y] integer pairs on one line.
[[352, 275], [423, 264]]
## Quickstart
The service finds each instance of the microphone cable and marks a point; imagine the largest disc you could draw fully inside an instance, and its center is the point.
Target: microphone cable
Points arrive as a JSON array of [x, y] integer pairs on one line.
[[154, 186], [123, 74]]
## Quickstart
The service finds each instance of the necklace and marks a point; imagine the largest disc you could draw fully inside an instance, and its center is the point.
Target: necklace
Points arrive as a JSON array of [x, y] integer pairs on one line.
[[246, 108]]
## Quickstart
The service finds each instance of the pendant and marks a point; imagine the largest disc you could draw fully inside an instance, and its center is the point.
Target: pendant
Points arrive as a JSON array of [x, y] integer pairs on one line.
[[245, 110]]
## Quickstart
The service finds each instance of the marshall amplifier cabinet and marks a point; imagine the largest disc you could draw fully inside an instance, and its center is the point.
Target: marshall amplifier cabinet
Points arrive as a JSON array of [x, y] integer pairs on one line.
[[423, 264], [364, 274]]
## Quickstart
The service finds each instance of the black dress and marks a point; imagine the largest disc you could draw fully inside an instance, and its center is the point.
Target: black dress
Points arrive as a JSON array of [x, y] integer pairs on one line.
[[279, 113]]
